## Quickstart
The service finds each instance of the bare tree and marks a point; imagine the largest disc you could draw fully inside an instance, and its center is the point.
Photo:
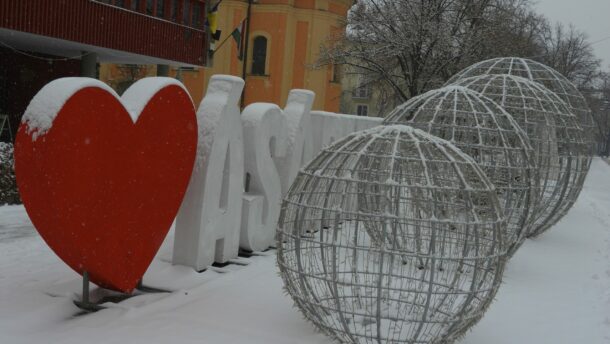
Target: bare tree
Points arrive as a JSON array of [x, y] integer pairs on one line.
[[598, 97], [567, 50], [510, 28], [406, 47]]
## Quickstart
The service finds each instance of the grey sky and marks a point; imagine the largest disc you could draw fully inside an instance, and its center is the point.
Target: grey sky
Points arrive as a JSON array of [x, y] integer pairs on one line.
[[590, 16]]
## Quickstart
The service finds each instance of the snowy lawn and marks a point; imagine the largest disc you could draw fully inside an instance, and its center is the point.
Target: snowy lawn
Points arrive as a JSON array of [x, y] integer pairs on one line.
[[556, 291]]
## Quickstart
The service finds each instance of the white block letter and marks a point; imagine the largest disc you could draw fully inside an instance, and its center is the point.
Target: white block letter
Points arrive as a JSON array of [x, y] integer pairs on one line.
[[207, 226], [264, 139], [300, 144]]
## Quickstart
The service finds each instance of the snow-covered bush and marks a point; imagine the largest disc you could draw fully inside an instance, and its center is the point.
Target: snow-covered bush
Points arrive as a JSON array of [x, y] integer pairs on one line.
[[8, 184]]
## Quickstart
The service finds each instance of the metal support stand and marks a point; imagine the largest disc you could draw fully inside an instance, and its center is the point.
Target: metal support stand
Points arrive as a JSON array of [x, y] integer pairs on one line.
[[89, 307], [85, 304]]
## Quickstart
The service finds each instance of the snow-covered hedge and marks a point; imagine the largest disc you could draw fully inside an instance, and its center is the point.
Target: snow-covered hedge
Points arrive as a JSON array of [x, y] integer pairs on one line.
[[8, 184]]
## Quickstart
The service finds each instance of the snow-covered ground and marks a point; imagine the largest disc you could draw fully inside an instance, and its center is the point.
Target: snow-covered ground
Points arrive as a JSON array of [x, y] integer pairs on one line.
[[556, 291]]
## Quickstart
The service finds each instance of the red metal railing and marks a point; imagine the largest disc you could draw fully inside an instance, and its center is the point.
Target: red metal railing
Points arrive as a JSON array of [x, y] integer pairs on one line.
[[99, 24]]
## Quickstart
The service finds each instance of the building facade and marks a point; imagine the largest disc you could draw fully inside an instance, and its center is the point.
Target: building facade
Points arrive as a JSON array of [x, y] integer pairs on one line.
[[42, 40], [362, 98], [284, 42], [121, 41]]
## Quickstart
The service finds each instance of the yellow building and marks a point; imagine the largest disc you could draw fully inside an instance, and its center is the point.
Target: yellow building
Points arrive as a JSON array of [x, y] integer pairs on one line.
[[284, 43]]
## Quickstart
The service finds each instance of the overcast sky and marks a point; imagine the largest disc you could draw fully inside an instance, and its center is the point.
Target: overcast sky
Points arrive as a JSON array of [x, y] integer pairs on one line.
[[590, 16]]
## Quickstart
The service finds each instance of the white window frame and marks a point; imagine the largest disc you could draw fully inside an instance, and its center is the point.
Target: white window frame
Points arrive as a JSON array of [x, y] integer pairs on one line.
[[362, 110]]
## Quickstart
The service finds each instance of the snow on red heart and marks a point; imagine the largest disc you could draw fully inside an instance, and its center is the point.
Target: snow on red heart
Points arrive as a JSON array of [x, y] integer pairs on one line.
[[103, 177]]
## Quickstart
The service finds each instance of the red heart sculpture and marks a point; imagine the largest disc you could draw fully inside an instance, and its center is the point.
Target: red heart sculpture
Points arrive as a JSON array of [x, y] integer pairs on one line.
[[102, 185]]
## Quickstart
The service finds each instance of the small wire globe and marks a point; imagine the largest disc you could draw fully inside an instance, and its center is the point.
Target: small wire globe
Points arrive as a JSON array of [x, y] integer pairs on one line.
[[391, 235], [554, 133], [547, 76], [486, 132]]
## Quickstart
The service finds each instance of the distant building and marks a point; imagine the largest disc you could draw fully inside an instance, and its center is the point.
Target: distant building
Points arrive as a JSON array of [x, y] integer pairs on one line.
[[41, 40], [362, 98]]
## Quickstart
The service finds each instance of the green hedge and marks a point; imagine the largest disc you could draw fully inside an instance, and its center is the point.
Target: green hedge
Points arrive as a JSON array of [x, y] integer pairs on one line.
[[8, 184]]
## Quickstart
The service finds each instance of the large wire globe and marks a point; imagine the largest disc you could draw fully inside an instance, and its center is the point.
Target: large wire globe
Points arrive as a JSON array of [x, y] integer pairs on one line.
[[554, 133], [547, 76], [392, 235], [486, 132]]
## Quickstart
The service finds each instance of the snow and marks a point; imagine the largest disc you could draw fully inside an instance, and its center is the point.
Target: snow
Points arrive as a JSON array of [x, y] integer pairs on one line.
[[220, 101], [556, 290], [208, 223], [45, 105], [137, 96]]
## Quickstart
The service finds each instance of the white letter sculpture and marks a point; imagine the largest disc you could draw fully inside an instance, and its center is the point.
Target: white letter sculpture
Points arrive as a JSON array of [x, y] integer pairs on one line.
[[300, 148], [207, 226], [330, 127], [265, 137]]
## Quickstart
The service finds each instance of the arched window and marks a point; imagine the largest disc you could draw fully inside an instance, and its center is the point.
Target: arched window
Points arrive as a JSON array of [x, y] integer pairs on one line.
[[259, 55]]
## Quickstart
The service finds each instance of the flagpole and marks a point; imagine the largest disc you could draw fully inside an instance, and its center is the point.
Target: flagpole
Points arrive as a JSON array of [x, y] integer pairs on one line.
[[245, 61], [223, 42]]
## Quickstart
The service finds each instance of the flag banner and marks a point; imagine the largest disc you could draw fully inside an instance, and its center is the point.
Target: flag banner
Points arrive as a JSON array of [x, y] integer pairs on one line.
[[213, 22], [216, 35], [238, 36]]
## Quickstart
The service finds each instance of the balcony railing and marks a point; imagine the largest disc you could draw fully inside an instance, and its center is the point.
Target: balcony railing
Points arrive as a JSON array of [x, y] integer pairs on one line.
[[187, 13], [106, 24]]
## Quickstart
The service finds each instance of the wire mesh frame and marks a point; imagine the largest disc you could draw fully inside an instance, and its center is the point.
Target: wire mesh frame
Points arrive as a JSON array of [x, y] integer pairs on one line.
[[5, 126], [553, 132], [545, 75], [391, 235], [482, 129]]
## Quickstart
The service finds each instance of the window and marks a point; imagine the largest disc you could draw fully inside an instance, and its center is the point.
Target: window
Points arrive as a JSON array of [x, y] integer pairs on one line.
[[174, 10], [362, 110], [120, 3], [160, 8], [186, 12], [135, 5], [362, 92], [336, 73], [150, 4], [259, 55], [197, 15]]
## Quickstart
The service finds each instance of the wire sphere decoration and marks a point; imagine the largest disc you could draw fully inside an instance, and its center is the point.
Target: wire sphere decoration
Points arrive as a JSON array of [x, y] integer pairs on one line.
[[391, 235], [554, 133], [483, 130], [545, 75]]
